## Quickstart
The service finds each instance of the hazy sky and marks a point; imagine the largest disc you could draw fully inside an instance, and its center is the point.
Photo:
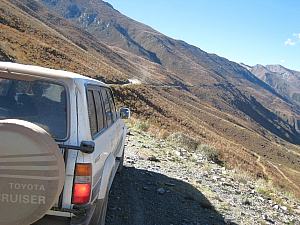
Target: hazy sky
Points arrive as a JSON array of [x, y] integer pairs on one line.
[[249, 31]]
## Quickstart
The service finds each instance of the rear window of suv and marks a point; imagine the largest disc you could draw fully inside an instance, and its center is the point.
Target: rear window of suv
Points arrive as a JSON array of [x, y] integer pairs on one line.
[[40, 102]]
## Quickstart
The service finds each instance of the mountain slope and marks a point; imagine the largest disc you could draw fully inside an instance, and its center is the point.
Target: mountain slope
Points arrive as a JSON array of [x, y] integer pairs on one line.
[[283, 80], [183, 88], [193, 66], [110, 26], [26, 39]]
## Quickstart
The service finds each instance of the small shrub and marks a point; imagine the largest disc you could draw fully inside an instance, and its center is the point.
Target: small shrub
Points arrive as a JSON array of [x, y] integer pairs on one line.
[[183, 140], [207, 167], [265, 188], [142, 125], [163, 134], [159, 133], [210, 153], [242, 176]]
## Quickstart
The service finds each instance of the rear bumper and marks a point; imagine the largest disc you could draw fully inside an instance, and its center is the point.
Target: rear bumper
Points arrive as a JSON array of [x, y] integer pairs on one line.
[[51, 220], [83, 216], [80, 215]]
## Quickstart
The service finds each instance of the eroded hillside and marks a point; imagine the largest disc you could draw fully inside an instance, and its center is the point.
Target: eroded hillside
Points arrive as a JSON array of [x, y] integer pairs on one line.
[[190, 64]]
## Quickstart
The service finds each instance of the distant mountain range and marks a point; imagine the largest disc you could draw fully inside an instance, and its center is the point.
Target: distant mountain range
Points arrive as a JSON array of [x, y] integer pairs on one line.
[[246, 113], [283, 80]]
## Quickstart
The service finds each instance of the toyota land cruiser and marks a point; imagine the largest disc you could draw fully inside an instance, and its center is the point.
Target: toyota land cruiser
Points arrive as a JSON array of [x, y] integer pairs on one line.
[[61, 144]]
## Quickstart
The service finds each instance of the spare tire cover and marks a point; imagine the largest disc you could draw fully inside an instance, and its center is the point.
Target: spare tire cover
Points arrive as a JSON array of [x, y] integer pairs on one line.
[[32, 172]]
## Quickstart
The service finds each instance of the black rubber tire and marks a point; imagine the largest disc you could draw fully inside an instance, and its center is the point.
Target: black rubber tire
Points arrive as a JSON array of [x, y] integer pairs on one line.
[[121, 164], [99, 215], [104, 210]]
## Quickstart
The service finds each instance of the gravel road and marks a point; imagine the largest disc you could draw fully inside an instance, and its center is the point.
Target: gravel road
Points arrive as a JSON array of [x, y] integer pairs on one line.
[[140, 197], [164, 184]]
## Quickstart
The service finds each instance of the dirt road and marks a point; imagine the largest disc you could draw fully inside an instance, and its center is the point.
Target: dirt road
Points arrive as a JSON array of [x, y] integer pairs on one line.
[[140, 197]]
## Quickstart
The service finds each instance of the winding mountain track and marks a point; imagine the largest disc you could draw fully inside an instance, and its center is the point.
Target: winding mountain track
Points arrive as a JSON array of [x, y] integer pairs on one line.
[[258, 161], [284, 176]]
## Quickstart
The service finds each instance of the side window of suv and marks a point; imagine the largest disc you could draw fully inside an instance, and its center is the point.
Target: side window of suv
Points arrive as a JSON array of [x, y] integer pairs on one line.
[[96, 111], [99, 110], [108, 113], [92, 112], [112, 104]]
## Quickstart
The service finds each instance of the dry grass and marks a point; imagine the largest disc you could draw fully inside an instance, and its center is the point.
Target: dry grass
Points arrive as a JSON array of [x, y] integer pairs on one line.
[[242, 176], [183, 140]]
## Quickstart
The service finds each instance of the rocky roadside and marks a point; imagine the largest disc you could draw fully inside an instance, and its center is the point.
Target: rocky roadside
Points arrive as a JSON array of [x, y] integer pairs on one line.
[[163, 183]]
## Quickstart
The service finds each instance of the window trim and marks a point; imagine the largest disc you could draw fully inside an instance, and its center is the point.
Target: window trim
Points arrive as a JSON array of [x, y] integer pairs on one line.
[[101, 102], [115, 117], [112, 120], [94, 106]]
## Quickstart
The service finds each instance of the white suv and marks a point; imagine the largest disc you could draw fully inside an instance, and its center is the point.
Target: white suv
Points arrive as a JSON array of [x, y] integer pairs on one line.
[[61, 144]]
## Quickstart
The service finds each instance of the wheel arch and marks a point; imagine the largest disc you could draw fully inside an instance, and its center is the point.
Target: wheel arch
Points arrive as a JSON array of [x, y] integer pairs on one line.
[[107, 176]]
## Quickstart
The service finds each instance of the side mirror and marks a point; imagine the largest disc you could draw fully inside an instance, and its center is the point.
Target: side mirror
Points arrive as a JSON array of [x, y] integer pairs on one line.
[[87, 147], [125, 113]]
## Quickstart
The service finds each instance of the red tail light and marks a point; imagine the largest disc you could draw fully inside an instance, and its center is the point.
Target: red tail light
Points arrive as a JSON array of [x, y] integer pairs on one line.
[[81, 193], [82, 184]]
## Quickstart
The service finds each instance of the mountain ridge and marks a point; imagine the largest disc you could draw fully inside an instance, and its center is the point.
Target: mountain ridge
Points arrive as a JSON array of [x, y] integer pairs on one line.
[[285, 81]]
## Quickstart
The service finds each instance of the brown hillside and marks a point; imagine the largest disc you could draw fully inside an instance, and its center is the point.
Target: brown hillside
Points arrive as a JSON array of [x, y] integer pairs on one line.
[[188, 64]]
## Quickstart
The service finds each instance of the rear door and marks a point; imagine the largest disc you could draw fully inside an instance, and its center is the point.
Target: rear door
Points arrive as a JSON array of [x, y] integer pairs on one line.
[[100, 134], [110, 118], [116, 124]]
